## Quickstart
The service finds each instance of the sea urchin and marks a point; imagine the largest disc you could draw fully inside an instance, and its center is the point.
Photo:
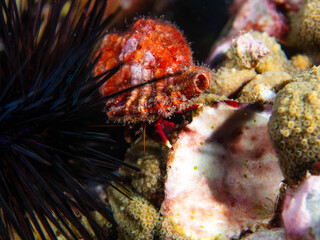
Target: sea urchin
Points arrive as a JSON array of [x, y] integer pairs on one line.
[[50, 144]]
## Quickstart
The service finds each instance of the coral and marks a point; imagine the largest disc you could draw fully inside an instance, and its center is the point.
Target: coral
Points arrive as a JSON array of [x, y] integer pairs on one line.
[[153, 52], [294, 125], [169, 230], [263, 87], [223, 174], [301, 62], [276, 60], [311, 75], [249, 69], [228, 79], [136, 217], [149, 180], [305, 26], [247, 51]]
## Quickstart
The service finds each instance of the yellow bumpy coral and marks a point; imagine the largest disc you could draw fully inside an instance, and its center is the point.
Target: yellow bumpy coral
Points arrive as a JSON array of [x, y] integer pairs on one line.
[[294, 126], [169, 230], [149, 180], [312, 75], [305, 25], [137, 218]]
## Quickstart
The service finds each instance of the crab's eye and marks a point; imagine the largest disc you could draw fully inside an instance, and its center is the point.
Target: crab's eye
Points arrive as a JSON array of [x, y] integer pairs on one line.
[[202, 81]]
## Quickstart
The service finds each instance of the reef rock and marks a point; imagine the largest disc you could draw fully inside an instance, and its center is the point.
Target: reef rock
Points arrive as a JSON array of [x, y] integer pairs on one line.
[[223, 175], [252, 15], [259, 15], [264, 87], [301, 213], [228, 79]]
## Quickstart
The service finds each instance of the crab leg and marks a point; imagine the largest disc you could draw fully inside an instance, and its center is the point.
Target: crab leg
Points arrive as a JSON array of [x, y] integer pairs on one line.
[[192, 107], [160, 125]]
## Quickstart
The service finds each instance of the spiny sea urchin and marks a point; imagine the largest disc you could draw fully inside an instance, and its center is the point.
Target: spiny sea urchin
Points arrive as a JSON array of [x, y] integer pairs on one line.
[[50, 144]]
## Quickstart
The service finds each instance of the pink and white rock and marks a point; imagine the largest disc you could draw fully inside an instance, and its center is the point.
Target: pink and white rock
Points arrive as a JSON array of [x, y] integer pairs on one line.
[[259, 15], [301, 211], [223, 176], [252, 15]]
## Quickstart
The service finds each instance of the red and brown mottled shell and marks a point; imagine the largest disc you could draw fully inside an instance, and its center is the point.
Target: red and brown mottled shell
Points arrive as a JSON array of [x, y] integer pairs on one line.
[[151, 49]]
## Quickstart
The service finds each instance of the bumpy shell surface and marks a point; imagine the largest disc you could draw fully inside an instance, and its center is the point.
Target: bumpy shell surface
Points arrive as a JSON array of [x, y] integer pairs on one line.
[[247, 51], [153, 52]]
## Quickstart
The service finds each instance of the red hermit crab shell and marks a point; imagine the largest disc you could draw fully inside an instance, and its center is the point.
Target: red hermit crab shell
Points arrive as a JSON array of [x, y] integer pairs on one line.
[[153, 52]]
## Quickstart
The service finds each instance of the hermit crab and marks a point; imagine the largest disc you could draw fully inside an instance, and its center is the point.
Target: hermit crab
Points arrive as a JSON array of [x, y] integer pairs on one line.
[[157, 76]]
